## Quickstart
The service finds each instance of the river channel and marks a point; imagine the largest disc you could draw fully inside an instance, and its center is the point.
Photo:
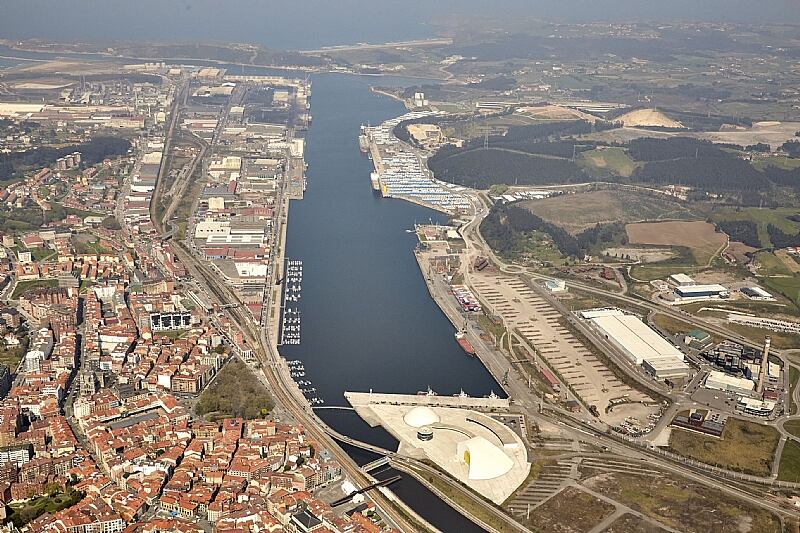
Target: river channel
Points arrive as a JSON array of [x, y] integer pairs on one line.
[[367, 319]]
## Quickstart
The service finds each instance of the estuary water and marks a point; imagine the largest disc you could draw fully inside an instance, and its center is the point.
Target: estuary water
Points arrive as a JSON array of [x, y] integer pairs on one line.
[[368, 321]]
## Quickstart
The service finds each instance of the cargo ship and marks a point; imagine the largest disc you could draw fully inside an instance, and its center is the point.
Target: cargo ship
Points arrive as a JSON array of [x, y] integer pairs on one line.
[[461, 338], [363, 140], [376, 181]]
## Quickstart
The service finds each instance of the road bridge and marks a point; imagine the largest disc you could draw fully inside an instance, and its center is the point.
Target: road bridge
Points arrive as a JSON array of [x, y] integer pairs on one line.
[[377, 463]]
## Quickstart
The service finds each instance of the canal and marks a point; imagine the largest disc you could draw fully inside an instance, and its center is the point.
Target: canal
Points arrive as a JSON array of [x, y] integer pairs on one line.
[[367, 319]]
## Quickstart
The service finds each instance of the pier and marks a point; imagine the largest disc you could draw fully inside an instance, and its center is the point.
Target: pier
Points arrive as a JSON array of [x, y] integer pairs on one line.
[[358, 399]]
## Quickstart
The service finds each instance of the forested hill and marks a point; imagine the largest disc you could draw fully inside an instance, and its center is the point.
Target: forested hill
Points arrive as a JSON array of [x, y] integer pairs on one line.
[[525, 155], [547, 154], [15, 164]]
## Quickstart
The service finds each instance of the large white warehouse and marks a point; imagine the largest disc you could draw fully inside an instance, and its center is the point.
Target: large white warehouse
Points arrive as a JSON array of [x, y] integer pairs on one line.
[[640, 343]]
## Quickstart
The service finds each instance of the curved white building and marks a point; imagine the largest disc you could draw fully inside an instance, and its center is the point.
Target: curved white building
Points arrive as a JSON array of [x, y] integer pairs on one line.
[[484, 459], [421, 416]]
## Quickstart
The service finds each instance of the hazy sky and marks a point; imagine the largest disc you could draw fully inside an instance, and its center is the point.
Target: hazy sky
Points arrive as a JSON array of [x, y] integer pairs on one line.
[[301, 24]]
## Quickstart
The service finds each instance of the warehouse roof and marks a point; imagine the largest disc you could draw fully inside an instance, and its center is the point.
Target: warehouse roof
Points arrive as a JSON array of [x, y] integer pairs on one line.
[[714, 287], [682, 278], [718, 378], [636, 337]]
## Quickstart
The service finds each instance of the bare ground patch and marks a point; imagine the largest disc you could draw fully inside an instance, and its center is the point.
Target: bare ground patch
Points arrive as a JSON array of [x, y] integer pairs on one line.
[[701, 237]]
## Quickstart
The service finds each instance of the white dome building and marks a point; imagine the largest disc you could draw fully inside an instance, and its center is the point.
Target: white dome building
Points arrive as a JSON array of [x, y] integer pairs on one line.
[[421, 416], [484, 459]]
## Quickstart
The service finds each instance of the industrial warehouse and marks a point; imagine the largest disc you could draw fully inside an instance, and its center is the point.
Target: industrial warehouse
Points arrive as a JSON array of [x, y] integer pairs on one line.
[[638, 342]]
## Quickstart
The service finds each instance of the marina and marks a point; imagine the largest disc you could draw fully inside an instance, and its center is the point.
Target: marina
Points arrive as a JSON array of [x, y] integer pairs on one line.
[[293, 284], [298, 371]]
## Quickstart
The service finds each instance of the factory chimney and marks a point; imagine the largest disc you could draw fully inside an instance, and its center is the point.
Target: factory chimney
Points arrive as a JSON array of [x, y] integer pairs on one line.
[[762, 374]]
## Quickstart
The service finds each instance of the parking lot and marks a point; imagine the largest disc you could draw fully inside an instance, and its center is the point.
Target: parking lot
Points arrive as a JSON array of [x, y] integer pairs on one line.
[[540, 324]]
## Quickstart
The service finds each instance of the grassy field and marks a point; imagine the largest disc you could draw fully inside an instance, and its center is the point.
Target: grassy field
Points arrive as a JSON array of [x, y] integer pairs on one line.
[[789, 467], [24, 286], [771, 265], [745, 446], [570, 510], [786, 163], [781, 341], [673, 325], [794, 376], [612, 159], [582, 300], [793, 427], [579, 211], [683, 505], [37, 254], [788, 286], [698, 236], [762, 217]]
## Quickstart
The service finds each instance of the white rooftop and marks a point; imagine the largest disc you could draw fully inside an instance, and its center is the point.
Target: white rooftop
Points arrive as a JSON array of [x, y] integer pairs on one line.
[[636, 337]]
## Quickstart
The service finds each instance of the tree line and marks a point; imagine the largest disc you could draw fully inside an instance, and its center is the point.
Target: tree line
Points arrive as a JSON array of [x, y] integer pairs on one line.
[[780, 239], [505, 227], [744, 231]]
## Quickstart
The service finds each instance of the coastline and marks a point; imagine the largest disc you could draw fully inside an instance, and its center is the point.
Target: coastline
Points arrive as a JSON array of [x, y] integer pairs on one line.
[[386, 93]]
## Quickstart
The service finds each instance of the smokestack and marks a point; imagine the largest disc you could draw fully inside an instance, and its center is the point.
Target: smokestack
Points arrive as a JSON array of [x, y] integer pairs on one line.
[[762, 374]]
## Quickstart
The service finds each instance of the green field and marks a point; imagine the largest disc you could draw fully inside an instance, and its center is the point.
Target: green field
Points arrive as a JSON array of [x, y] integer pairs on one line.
[[745, 446], [613, 160], [789, 287], [794, 376], [582, 210], [786, 163], [37, 254], [782, 341], [771, 265], [676, 326], [792, 426], [24, 286], [789, 467], [762, 217]]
